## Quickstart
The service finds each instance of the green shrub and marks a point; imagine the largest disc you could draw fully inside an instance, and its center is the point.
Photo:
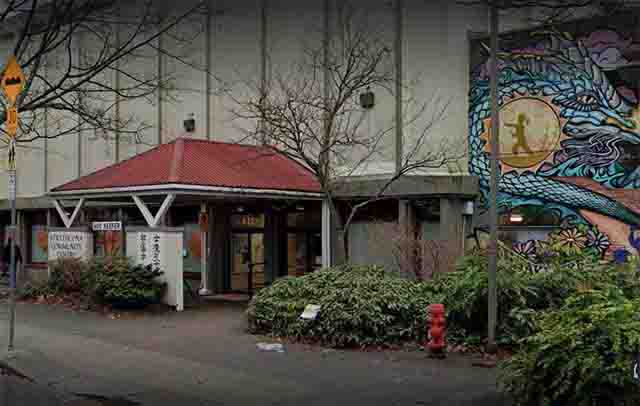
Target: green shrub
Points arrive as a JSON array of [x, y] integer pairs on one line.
[[32, 290], [67, 275], [116, 281], [525, 289], [366, 306], [581, 353], [360, 306]]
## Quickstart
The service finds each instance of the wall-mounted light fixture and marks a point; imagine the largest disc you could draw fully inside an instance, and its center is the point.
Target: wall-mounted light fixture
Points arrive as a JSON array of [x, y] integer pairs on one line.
[[467, 208], [240, 209], [190, 123], [516, 217], [367, 99]]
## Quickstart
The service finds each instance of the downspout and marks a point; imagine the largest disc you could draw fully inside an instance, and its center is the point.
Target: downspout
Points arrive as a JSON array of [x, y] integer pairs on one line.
[[207, 121], [117, 84], [328, 222], [160, 61], [399, 40], [263, 66]]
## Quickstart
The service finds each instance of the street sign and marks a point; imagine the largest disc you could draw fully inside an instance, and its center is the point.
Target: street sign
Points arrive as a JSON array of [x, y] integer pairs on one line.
[[12, 81], [12, 185], [106, 225]]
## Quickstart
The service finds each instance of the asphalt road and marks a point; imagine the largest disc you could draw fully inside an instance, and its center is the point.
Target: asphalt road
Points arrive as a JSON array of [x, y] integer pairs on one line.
[[204, 357]]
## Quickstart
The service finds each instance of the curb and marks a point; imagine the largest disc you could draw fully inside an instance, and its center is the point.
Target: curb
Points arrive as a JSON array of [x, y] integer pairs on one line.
[[7, 369]]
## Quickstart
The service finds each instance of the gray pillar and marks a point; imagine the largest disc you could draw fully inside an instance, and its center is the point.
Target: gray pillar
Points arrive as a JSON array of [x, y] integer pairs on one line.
[[451, 225], [407, 226], [219, 240], [406, 218], [273, 245]]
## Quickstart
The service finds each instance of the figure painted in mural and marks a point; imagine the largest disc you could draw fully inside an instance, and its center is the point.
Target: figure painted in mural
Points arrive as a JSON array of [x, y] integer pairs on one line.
[[519, 133], [596, 119]]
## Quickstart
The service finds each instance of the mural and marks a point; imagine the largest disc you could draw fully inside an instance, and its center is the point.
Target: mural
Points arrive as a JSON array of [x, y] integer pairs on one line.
[[568, 114]]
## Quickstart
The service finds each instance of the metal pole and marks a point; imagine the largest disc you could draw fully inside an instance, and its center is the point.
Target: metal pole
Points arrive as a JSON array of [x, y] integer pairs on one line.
[[12, 260], [493, 198]]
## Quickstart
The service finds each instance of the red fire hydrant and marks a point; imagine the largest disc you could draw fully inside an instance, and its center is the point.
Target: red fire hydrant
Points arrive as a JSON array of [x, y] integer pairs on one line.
[[436, 331]]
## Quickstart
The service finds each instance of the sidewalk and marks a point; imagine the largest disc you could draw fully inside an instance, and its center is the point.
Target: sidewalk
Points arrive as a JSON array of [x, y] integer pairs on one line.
[[203, 357]]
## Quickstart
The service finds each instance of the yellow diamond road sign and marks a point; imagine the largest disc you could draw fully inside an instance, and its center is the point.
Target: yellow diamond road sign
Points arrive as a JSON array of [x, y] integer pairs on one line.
[[12, 81]]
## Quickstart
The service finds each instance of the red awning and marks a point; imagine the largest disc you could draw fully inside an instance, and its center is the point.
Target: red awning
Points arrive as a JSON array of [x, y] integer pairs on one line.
[[196, 163]]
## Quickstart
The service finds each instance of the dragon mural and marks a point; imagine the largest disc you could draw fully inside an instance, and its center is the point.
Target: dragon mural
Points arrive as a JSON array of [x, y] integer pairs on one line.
[[566, 118]]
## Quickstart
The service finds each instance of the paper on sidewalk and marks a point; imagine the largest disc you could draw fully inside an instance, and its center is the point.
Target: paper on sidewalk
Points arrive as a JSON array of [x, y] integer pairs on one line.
[[310, 312]]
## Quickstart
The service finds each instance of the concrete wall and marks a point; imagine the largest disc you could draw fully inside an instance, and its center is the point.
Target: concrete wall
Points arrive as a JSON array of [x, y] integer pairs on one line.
[[435, 66]]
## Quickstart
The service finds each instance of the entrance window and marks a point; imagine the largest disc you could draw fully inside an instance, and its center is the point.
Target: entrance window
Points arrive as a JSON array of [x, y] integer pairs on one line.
[[192, 260], [37, 239], [106, 243], [187, 218], [247, 251], [247, 272], [304, 242]]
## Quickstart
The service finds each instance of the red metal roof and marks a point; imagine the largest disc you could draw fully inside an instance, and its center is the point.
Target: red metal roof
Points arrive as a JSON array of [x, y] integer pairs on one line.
[[203, 163]]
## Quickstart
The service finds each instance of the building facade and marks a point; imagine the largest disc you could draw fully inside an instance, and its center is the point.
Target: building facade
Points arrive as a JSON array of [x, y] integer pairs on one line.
[[213, 54], [567, 122]]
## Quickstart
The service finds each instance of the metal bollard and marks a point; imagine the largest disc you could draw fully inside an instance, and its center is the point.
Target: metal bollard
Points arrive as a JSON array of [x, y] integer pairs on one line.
[[437, 342]]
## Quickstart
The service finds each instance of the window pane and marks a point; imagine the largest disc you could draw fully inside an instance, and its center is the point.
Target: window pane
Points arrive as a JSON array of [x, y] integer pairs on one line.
[[192, 261], [296, 254], [39, 243]]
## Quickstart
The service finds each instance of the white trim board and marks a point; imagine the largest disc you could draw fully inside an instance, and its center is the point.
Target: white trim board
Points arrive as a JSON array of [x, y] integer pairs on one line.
[[68, 221], [168, 188], [153, 221]]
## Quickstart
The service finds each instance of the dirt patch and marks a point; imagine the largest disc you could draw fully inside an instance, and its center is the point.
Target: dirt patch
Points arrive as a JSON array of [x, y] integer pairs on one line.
[[80, 304]]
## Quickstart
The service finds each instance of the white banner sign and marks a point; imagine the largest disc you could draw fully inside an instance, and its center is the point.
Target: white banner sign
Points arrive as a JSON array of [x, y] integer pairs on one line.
[[107, 226], [76, 244], [161, 250]]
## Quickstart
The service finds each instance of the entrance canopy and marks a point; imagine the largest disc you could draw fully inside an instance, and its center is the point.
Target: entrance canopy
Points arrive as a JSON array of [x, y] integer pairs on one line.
[[223, 180], [198, 167]]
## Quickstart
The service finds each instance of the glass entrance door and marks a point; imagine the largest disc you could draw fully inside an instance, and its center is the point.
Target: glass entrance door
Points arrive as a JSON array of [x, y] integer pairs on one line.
[[247, 256]]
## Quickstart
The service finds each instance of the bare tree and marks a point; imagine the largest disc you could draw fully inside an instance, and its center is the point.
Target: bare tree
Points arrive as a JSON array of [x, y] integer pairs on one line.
[[313, 114], [552, 12], [68, 48]]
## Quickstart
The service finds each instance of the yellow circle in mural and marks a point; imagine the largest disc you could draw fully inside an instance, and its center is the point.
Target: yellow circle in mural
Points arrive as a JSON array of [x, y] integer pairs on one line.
[[529, 132]]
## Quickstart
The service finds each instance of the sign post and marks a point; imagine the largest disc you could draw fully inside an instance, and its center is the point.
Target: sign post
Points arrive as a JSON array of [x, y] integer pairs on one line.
[[12, 84]]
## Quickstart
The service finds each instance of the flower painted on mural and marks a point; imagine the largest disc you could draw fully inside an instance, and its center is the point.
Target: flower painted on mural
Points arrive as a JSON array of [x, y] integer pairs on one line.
[[544, 250], [598, 240], [42, 237], [634, 237], [526, 249], [195, 245], [621, 255], [569, 240]]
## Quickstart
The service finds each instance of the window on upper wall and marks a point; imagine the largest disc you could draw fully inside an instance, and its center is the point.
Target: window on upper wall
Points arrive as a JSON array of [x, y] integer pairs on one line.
[[530, 216]]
